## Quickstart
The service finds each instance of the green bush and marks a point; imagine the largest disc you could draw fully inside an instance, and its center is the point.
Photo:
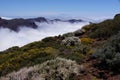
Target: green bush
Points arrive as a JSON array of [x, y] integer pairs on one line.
[[76, 53], [110, 53], [70, 34], [29, 58], [78, 57]]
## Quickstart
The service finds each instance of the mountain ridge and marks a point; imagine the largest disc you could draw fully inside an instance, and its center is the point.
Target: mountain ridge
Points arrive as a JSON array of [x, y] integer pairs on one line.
[[16, 23]]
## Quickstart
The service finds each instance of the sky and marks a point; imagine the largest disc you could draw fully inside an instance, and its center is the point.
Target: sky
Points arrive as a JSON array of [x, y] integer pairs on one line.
[[71, 8]]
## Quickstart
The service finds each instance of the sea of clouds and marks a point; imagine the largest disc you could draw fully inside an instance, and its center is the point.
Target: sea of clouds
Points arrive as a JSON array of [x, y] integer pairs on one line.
[[27, 35]]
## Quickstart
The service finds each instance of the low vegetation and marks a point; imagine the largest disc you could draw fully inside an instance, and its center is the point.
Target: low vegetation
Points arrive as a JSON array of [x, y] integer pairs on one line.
[[56, 69], [109, 54], [104, 29], [61, 57]]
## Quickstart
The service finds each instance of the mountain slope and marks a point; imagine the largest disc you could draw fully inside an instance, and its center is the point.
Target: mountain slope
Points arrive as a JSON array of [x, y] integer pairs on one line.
[[104, 29], [94, 55]]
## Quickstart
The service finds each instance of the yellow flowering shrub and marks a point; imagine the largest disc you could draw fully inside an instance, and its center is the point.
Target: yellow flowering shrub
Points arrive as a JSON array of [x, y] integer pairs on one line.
[[87, 40]]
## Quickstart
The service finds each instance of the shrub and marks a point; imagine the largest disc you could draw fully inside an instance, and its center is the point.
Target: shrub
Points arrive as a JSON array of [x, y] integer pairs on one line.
[[70, 34], [51, 42], [76, 53], [71, 41], [12, 49], [110, 53], [84, 49], [86, 41], [91, 51], [56, 69], [117, 17], [89, 27], [49, 39], [105, 29], [29, 58], [46, 42], [79, 32], [78, 57]]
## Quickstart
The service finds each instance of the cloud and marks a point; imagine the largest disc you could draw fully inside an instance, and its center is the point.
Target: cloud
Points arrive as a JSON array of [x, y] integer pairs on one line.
[[27, 35]]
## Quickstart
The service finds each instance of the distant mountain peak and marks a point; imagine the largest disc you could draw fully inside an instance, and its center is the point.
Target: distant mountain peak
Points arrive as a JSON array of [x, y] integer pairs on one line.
[[6, 18], [16, 23]]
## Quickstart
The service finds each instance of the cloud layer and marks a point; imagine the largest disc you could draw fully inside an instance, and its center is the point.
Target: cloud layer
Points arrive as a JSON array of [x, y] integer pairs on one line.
[[27, 35]]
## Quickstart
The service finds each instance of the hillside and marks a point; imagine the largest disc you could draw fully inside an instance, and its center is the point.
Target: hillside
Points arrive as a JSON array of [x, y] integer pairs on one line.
[[91, 53]]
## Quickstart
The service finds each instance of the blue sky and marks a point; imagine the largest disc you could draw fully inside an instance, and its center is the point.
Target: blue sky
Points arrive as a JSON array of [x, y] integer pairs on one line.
[[80, 8]]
